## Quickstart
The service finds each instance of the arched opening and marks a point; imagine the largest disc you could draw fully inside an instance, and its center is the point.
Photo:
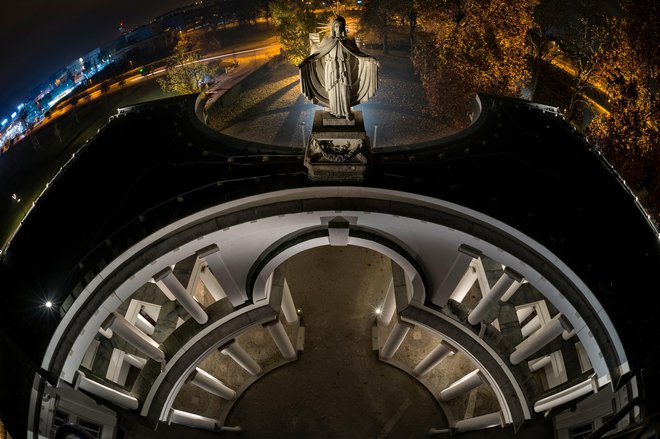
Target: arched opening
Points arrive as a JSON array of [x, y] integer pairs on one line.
[[338, 387]]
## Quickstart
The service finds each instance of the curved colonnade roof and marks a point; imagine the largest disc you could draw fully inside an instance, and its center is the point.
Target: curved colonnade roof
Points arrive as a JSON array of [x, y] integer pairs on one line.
[[519, 163]]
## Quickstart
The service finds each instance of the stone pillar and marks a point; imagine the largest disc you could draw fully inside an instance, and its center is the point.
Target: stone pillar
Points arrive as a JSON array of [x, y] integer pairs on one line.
[[394, 340], [540, 338], [166, 291], [511, 291], [463, 385], [480, 422], [238, 354], [277, 331], [114, 396], [144, 325], [464, 285], [531, 326], [192, 420], [458, 268], [389, 305], [186, 300], [433, 359], [235, 294], [134, 336], [211, 283], [539, 363], [288, 307], [501, 286], [211, 384], [134, 360], [583, 388]]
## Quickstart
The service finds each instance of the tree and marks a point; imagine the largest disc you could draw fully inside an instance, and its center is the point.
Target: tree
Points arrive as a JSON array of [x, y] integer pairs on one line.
[[185, 73], [379, 15], [294, 22], [628, 134], [550, 18], [464, 46], [584, 46]]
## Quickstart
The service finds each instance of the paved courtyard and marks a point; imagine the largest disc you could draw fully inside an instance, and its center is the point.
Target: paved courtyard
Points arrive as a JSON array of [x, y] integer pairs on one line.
[[268, 107]]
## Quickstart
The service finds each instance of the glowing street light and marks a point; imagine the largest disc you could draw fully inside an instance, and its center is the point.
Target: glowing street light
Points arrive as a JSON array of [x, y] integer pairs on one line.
[[49, 304]]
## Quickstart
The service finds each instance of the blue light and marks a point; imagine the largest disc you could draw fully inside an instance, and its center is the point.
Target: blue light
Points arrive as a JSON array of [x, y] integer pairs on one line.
[[20, 107], [13, 115], [4, 122]]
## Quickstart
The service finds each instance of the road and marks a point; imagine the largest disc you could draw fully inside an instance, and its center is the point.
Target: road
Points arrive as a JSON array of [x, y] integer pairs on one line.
[[28, 166], [242, 54]]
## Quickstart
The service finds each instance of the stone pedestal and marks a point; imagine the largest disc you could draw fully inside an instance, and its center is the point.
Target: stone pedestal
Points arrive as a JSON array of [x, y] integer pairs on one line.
[[338, 150]]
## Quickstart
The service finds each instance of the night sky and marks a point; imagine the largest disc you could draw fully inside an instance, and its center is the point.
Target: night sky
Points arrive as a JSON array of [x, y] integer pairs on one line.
[[38, 37]]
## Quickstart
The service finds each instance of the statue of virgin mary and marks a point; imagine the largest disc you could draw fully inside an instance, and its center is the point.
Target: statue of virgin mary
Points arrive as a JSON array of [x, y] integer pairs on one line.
[[337, 74]]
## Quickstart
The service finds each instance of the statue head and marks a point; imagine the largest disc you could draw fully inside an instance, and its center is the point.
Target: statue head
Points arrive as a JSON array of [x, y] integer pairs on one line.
[[339, 27]]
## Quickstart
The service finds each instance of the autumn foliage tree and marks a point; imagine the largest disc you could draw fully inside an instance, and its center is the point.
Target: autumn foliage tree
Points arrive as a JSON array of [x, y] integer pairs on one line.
[[185, 74], [379, 16], [584, 45], [294, 22], [629, 133], [464, 46]]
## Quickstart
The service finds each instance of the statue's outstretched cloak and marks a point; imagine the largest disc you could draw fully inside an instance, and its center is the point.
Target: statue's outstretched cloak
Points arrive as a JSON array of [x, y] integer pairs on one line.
[[364, 72]]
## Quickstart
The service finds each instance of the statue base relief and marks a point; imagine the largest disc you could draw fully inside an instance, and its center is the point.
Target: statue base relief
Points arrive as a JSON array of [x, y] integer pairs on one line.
[[338, 152], [333, 121]]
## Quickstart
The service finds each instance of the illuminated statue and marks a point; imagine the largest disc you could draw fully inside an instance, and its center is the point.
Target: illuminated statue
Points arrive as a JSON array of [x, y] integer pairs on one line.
[[337, 74]]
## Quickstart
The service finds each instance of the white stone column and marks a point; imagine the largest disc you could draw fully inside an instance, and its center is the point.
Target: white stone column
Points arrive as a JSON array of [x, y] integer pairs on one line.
[[433, 359], [114, 396], [144, 325], [540, 338], [211, 283], [166, 291], [242, 358], [539, 363], [211, 384], [192, 420], [134, 360], [394, 340], [463, 385], [464, 285], [281, 339], [512, 290], [134, 336], [186, 300], [496, 292], [288, 307], [480, 422], [233, 291], [389, 305], [584, 388], [531, 326], [458, 268]]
